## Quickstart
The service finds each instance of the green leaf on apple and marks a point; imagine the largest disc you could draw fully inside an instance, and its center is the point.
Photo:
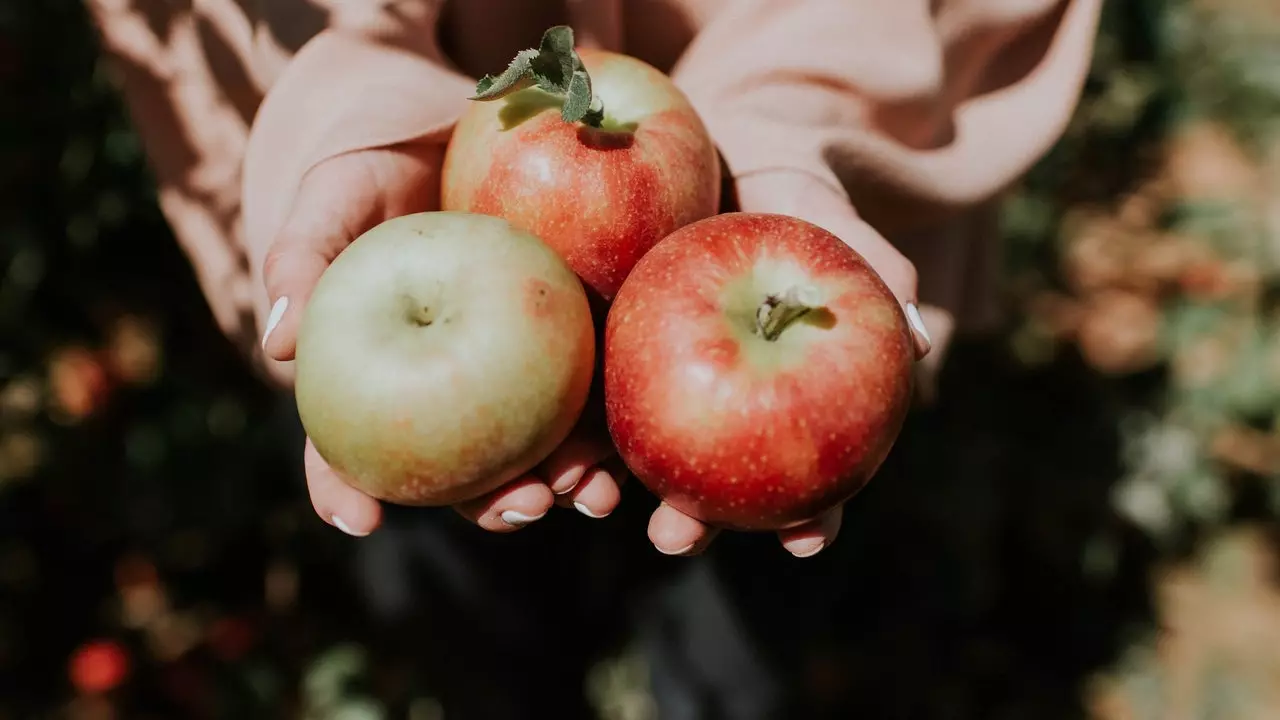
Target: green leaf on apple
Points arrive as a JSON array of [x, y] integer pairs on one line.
[[517, 76], [554, 68], [555, 62], [578, 101]]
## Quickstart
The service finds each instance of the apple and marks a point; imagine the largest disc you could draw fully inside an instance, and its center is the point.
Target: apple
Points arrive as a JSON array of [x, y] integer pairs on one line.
[[757, 371], [442, 355], [597, 153], [98, 666]]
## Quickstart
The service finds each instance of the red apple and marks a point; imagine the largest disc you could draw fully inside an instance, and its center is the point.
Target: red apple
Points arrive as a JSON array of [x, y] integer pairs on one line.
[[98, 666], [634, 162], [757, 371]]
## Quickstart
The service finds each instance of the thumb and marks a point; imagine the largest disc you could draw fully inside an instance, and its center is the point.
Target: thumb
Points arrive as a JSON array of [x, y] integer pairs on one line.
[[805, 197], [337, 201], [330, 209]]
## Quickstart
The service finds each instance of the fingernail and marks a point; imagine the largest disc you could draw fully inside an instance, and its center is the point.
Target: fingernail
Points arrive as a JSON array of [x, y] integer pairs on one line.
[[681, 551], [273, 318], [587, 511], [338, 523], [917, 323], [573, 478], [811, 551], [517, 519]]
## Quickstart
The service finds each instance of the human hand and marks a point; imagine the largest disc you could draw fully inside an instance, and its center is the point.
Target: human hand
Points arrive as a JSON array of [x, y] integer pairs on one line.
[[337, 201], [801, 195]]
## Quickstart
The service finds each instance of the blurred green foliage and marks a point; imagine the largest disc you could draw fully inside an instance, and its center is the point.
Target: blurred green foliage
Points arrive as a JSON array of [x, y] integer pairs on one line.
[[1149, 242], [1162, 271]]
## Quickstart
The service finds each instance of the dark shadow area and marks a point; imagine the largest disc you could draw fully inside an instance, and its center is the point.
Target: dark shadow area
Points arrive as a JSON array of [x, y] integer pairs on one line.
[[228, 69], [291, 23], [658, 31], [958, 587], [620, 137], [820, 318]]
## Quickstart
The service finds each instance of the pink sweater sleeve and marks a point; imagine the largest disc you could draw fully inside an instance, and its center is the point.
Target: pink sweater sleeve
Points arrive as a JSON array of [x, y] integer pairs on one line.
[[914, 107], [371, 79]]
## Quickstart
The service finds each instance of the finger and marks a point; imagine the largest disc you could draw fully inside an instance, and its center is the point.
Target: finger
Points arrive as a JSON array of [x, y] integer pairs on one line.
[[566, 467], [804, 196], [336, 502], [322, 222], [600, 491], [336, 202], [809, 539], [511, 507], [674, 533]]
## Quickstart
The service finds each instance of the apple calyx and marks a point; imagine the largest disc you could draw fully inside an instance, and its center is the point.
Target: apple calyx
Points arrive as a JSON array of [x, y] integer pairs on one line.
[[777, 312], [419, 315], [553, 67]]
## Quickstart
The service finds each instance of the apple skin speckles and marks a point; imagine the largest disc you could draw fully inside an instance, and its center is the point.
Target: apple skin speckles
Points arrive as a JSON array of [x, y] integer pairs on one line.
[[736, 430], [599, 197]]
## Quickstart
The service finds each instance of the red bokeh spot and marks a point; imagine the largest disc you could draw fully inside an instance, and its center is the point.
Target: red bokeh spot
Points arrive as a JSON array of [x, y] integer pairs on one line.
[[98, 666]]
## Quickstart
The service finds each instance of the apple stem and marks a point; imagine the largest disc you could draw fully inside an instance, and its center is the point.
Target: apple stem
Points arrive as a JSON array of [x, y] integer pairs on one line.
[[553, 67], [777, 312]]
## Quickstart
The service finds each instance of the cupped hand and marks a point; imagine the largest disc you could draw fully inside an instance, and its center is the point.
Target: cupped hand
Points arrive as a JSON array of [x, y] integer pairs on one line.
[[337, 201], [804, 196]]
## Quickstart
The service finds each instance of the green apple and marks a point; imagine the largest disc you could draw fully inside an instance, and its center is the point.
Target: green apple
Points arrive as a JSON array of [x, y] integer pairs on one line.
[[441, 355]]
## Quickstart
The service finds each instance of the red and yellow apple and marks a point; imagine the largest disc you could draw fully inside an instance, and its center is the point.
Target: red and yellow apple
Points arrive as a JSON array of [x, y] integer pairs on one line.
[[601, 189], [757, 371], [442, 355]]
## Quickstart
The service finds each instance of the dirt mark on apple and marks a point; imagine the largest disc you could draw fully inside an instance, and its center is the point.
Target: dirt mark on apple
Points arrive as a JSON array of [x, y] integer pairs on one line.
[[540, 299]]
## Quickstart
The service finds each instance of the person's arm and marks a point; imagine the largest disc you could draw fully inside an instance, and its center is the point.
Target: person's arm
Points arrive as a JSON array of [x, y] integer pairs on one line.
[[193, 77], [375, 78], [913, 108], [876, 119]]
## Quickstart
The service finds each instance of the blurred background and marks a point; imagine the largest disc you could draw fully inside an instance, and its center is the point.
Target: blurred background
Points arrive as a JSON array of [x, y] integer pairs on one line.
[[1091, 533]]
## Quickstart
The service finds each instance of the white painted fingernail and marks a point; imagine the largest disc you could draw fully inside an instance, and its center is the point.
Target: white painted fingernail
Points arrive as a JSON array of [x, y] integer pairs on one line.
[[337, 522], [273, 318], [587, 511], [811, 551], [681, 551], [518, 519], [917, 323]]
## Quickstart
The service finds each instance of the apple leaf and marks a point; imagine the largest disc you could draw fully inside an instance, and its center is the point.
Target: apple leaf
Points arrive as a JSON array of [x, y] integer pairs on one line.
[[553, 67], [517, 76], [578, 101], [554, 64]]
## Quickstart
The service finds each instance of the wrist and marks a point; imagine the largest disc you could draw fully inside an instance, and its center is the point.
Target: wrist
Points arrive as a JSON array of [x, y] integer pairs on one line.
[[791, 190], [793, 180]]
